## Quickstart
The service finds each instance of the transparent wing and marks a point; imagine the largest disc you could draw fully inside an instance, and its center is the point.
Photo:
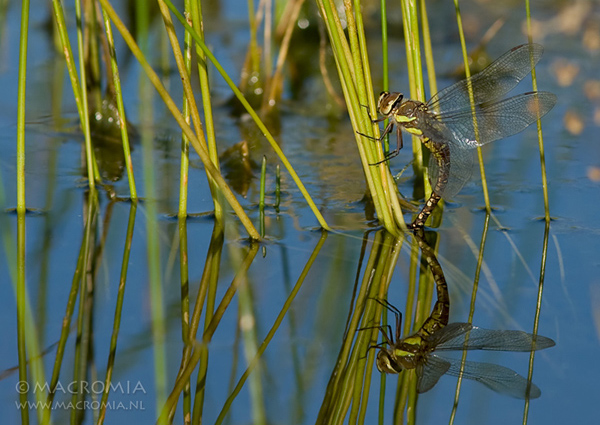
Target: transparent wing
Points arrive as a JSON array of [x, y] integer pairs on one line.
[[497, 340], [429, 374], [496, 120], [498, 378], [451, 332], [498, 78]]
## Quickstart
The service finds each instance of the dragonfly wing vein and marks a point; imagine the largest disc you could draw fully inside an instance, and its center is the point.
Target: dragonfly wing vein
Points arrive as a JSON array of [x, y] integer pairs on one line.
[[497, 120], [498, 78], [431, 372], [495, 340], [450, 332], [498, 378]]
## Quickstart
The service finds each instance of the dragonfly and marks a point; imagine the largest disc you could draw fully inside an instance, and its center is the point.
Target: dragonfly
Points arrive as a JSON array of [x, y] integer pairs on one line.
[[421, 351], [452, 123]]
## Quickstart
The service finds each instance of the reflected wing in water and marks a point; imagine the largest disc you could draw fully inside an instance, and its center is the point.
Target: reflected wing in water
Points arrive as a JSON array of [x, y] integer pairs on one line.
[[498, 378], [493, 82], [487, 339]]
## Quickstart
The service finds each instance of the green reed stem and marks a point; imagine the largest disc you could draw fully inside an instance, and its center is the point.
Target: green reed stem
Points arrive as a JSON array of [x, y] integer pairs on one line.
[[471, 312], [82, 345], [385, 69], [392, 259], [185, 73], [209, 331], [352, 382], [410, 20], [92, 172], [181, 67], [185, 143], [332, 399], [366, 387], [208, 283], [179, 386], [435, 221], [206, 102], [21, 98], [427, 48], [295, 346], [277, 187], [486, 195], [248, 331], [153, 255], [379, 180], [261, 203], [276, 81], [422, 311], [228, 296], [118, 309], [152, 231], [536, 319], [252, 113], [21, 303], [263, 346], [415, 71], [383, 175], [247, 323], [120, 107], [27, 336], [200, 148], [382, 387], [69, 58], [91, 55], [66, 322], [539, 124], [208, 286], [403, 387], [254, 51], [542, 275], [185, 307], [357, 381], [21, 207]]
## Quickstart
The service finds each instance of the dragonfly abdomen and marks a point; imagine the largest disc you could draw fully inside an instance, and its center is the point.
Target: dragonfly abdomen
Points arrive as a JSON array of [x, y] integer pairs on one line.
[[441, 153]]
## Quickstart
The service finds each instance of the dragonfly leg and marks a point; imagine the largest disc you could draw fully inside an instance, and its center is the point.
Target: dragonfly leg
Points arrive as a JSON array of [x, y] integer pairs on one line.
[[399, 145], [385, 330], [373, 120], [398, 315], [386, 131]]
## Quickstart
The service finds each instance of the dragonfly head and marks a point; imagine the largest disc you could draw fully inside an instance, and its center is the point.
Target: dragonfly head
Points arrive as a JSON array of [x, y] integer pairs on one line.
[[388, 102], [387, 363]]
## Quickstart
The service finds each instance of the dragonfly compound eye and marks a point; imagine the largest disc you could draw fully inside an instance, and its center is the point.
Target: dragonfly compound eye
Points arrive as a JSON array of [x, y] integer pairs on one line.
[[386, 363], [388, 102]]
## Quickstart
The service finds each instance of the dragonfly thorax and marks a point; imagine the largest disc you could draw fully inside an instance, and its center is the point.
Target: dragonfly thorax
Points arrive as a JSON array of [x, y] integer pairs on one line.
[[408, 114], [406, 354]]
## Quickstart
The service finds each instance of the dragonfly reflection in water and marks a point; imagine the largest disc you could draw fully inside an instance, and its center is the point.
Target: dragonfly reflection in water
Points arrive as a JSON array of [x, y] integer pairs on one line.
[[421, 353], [450, 127], [420, 350]]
